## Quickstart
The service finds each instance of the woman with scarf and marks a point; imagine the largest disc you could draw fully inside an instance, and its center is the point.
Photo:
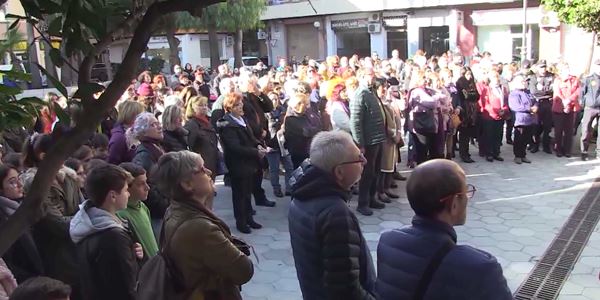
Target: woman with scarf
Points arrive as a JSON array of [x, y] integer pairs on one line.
[[493, 107], [423, 107], [565, 106], [23, 257], [147, 133], [450, 87], [468, 97], [202, 137], [243, 155], [525, 107], [298, 128], [337, 105]]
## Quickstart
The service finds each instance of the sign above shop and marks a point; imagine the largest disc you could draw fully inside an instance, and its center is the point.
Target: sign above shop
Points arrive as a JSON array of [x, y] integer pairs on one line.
[[397, 21], [349, 24]]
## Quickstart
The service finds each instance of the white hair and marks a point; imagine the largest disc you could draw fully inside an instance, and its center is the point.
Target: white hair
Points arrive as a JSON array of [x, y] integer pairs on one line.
[[224, 85], [328, 149]]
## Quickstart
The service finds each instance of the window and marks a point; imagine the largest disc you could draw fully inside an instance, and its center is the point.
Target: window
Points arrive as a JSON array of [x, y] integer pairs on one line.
[[3, 13], [205, 48]]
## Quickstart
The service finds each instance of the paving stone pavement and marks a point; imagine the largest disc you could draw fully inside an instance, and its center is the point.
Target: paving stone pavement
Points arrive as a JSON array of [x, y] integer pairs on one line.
[[515, 214]]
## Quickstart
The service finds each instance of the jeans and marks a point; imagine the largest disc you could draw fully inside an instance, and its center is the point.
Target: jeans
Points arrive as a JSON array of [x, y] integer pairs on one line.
[[492, 137], [367, 186], [275, 159], [563, 132], [587, 132], [545, 125], [523, 135]]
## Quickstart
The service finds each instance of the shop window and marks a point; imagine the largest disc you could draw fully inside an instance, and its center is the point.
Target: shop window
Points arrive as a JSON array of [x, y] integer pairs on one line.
[[205, 48], [435, 40], [350, 42]]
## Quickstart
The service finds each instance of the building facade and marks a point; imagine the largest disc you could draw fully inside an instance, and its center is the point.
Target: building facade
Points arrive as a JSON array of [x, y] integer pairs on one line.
[[319, 28]]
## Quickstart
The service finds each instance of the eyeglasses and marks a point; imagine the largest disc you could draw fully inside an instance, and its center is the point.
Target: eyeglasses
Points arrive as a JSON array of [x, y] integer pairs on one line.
[[361, 159], [15, 182], [471, 189]]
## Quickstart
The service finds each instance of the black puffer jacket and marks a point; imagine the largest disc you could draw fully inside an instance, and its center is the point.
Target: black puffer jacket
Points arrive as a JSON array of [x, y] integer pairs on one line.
[[367, 122], [331, 255]]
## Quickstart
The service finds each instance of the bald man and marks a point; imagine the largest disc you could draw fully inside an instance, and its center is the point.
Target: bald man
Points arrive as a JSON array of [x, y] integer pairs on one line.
[[422, 261]]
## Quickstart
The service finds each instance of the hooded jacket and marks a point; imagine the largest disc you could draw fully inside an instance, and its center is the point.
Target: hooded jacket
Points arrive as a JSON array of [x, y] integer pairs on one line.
[[330, 253], [108, 267], [51, 233]]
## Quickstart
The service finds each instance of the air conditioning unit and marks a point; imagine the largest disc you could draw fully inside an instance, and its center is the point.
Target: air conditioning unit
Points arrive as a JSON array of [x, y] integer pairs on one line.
[[262, 35], [375, 17], [229, 41], [374, 27]]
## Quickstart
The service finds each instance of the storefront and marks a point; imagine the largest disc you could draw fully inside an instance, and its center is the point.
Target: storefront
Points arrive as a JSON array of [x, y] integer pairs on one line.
[[397, 38], [352, 37], [302, 39], [500, 32]]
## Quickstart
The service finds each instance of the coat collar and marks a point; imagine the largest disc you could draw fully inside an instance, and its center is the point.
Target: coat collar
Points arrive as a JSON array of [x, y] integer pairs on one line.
[[434, 225]]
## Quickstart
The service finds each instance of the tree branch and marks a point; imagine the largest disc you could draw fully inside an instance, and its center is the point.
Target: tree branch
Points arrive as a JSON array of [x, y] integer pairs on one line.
[[65, 60], [88, 62], [30, 209]]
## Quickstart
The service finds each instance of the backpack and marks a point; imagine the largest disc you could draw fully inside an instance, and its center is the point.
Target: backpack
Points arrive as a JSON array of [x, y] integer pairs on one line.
[[159, 278]]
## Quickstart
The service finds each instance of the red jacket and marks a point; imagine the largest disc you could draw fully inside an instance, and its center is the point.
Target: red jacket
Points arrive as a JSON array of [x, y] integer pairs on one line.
[[491, 103], [566, 95]]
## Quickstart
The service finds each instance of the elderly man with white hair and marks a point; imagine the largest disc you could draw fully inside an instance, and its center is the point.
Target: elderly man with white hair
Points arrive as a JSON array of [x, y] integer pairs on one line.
[[330, 253]]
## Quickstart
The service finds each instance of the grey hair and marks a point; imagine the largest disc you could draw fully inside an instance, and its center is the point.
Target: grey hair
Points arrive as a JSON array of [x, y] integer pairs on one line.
[[224, 85], [172, 169], [330, 148], [169, 117], [141, 125]]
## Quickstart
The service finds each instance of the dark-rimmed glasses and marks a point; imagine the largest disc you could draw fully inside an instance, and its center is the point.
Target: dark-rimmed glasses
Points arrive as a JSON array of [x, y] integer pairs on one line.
[[471, 189]]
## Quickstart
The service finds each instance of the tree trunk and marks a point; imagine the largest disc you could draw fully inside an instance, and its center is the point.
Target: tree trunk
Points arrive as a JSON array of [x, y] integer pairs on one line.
[[237, 47], [591, 55], [49, 63], [36, 77], [174, 42], [213, 41]]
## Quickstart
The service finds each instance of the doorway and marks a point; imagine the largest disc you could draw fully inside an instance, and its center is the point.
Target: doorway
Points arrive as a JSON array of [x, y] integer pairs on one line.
[[434, 40]]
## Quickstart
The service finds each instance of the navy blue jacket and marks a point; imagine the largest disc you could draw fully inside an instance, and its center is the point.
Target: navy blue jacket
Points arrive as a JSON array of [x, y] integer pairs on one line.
[[331, 255], [465, 273]]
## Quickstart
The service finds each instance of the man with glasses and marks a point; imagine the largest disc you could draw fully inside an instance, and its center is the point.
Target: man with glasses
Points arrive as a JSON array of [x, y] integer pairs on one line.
[[331, 255], [422, 261]]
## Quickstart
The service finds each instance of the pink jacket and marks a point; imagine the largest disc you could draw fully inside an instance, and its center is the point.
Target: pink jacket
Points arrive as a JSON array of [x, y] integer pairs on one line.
[[491, 102], [566, 95]]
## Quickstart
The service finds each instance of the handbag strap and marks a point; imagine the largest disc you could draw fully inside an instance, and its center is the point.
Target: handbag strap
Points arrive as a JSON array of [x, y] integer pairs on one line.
[[431, 268]]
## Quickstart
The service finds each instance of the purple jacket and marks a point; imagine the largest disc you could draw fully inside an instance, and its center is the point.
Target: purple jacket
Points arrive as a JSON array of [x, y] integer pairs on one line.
[[118, 152], [521, 102]]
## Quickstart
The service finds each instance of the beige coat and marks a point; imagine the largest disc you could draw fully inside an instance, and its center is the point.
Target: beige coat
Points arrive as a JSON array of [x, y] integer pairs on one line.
[[390, 148]]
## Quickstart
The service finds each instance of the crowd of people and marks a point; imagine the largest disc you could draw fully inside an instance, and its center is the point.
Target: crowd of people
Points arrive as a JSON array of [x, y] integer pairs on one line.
[[142, 185]]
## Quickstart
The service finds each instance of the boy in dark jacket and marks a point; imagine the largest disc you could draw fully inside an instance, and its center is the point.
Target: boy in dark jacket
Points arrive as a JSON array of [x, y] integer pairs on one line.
[[106, 253]]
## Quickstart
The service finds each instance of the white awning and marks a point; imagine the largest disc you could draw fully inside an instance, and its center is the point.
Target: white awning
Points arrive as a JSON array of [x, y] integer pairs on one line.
[[511, 16]]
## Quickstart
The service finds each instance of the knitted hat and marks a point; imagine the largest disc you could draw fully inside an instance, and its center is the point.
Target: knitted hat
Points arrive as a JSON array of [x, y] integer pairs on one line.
[[145, 90]]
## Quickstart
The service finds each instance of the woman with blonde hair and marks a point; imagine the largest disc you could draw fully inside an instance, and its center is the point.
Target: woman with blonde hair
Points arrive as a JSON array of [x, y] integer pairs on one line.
[[202, 137], [298, 129], [174, 135], [187, 93], [118, 148]]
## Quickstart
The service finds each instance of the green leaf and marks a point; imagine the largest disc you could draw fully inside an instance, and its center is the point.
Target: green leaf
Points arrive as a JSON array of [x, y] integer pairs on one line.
[[16, 75], [87, 90], [56, 57], [9, 90], [61, 114], [57, 84]]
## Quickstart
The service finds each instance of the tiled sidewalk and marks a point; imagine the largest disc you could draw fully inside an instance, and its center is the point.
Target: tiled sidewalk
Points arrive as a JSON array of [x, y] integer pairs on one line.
[[516, 212]]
